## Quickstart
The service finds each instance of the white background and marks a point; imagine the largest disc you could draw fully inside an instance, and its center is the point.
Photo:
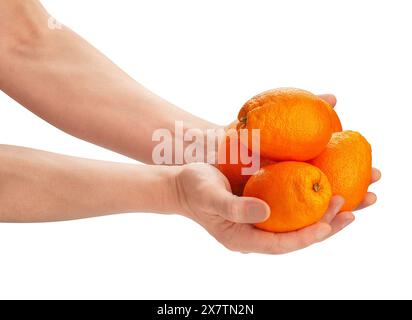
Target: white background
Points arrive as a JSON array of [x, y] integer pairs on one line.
[[209, 57]]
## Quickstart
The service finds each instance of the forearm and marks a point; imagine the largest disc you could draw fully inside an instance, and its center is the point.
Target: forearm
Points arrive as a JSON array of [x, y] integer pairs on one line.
[[42, 186], [63, 79]]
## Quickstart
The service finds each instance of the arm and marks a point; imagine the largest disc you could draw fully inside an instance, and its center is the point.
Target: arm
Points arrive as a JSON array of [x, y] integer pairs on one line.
[[42, 186], [63, 79]]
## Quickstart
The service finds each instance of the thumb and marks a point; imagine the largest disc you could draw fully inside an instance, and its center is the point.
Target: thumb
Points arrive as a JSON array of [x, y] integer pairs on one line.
[[240, 209]]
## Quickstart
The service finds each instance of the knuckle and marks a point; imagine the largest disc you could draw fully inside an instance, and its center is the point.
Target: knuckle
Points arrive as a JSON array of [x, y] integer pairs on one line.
[[231, 213], [233, 210]]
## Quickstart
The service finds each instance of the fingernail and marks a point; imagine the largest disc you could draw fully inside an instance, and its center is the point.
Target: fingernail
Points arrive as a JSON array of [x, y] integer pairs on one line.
[[323, 232], [257, 211]]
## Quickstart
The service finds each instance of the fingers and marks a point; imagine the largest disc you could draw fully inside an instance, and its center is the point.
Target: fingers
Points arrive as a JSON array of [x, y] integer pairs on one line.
[[250, 239], [341, 221], [376, 175], [247, 238], [335, 204], [369, 199], [303, 238], [239, 209], [329, 98]]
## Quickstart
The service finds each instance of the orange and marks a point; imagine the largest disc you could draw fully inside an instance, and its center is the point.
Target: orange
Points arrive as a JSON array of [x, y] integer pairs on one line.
[[336, 124], [233, 169], [347, 162], [297, 193], [294, 124]]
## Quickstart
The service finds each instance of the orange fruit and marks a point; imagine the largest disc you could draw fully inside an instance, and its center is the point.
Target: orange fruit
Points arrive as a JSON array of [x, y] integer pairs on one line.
[[335, 121], [294, 124], [347, 162], [232, 168], [297, 193]]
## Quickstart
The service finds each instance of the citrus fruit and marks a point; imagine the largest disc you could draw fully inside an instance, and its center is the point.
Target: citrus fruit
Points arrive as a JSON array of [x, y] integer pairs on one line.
[[297, 193], [231, 166], [347, 162], [335, 121], [294, 124]]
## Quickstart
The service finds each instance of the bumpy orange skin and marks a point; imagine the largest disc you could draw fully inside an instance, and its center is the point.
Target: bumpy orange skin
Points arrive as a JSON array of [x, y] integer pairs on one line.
[[347, 162], [297, 193], [233, 171], [294, 124]]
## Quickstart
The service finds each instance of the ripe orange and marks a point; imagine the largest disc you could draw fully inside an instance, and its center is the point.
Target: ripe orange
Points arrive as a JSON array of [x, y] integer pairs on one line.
[[297, 193], [347, 162], [294, 124], [233, 169], [336, 124]]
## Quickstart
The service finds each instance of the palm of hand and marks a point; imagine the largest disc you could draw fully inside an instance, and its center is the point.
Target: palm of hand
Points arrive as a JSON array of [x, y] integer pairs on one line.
[[204, 193]]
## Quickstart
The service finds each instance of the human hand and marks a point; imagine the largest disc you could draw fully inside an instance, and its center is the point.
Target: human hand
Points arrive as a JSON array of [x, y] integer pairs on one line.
[[203, 194]]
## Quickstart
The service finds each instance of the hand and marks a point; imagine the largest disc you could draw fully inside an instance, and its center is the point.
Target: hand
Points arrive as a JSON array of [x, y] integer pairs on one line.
[[204, 195]]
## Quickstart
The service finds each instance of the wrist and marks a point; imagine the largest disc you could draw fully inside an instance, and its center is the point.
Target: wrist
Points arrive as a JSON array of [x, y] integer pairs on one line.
[[156, 189], [172, 191]]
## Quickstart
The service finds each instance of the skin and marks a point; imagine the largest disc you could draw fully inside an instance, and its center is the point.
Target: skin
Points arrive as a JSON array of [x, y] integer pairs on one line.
[[76, 88], [38, 186], [50, 72]]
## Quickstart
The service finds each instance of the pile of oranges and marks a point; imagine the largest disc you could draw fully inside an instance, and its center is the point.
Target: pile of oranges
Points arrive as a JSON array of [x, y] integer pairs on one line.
[[305, 158]]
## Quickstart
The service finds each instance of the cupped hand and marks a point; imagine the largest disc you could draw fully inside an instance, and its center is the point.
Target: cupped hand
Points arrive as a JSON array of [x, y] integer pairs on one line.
[[204, 195]]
